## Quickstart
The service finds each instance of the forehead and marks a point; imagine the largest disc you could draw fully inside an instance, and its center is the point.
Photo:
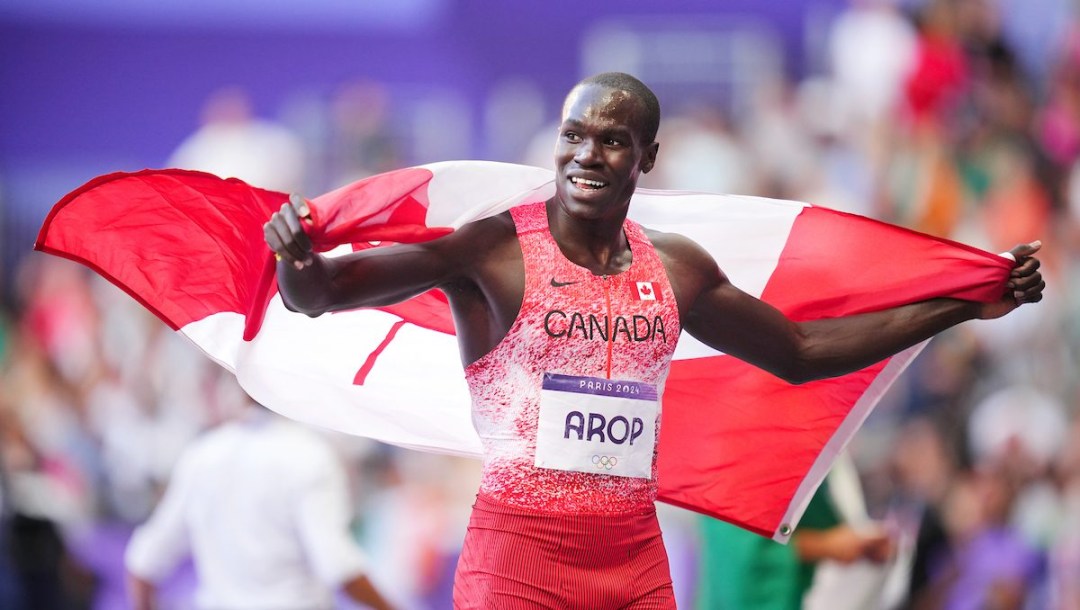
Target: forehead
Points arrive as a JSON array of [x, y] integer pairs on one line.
[[604, 107]]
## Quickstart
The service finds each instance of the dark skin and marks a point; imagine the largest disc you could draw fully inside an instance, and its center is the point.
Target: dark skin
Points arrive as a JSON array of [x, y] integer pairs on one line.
[[599, 156]]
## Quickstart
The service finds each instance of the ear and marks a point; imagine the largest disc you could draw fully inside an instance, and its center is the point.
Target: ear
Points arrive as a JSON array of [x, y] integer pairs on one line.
[[648, 160]]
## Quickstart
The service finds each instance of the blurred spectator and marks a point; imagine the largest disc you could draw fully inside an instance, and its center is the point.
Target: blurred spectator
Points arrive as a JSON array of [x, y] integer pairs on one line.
[[262, 506], [514, 113], [781, 151], [1065, 552], [1058, 124], [923, 465], [416, 511], [744, 570], [989, 564], [838, 169], [37, 570], [872, 570], [938, 76], [700, 154], [232, 143], [361, 134], [871, 52], [1020, 430]]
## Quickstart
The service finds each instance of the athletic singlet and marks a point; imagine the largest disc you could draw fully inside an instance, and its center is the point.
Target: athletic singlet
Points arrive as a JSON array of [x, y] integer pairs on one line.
[[572, 323]]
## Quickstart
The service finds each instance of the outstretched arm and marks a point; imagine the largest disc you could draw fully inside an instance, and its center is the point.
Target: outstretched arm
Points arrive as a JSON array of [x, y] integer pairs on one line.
[[727, 319], [314, 284]]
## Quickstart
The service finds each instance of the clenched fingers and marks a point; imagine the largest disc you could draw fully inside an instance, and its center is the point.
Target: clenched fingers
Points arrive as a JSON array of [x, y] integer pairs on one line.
[[285, 235], [1025, 280]]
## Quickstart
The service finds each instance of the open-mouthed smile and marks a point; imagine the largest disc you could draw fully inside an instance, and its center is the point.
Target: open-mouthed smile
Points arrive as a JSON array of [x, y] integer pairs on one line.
[[586, 184]]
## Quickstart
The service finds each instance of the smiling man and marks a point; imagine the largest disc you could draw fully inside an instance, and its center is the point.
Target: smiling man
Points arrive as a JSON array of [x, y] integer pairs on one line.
[[567, 315]]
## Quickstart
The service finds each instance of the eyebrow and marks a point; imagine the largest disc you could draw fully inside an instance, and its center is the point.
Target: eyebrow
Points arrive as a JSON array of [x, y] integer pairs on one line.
[[621, 130]]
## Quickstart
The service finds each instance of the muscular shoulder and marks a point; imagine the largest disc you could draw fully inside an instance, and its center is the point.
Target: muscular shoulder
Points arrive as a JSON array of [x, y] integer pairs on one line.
[[492, 232], [482, 242], [681, 254], [690, 268]]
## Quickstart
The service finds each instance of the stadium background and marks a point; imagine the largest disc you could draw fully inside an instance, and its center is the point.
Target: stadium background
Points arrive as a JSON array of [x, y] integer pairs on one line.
[[956, 117]]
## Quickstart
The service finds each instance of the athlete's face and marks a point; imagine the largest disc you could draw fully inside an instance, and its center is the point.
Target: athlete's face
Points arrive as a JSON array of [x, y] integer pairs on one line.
[[600, 151]]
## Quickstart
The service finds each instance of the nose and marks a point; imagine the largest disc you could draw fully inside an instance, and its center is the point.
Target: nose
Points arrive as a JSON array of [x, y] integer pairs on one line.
[[586, 152]]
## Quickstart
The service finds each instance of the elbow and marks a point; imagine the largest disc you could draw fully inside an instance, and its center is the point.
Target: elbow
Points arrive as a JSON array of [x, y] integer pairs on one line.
[[795, 376], [789, 364], [798, 370], [309, 311], [806, 366]]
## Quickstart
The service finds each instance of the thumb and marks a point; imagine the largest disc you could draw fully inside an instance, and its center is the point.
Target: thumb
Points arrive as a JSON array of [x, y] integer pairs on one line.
[[1023, 250]]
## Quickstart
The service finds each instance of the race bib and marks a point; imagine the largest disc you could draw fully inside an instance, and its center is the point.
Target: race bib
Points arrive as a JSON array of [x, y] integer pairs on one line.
[[602, 426]]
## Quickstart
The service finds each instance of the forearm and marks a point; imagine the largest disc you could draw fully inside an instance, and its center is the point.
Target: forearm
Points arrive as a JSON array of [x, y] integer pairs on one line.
[[308, 290], [812, 546], [360, 589], [837, 346], [141, 592]]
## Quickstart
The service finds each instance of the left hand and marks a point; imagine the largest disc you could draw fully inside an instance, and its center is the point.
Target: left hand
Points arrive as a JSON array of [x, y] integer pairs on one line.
[[1025, 283]]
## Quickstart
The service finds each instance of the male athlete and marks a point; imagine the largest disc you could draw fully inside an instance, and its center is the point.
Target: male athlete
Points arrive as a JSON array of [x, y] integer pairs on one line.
[[567, 315]]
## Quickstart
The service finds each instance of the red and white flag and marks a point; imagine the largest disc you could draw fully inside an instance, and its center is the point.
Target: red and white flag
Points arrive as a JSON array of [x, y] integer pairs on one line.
[[736, 443]]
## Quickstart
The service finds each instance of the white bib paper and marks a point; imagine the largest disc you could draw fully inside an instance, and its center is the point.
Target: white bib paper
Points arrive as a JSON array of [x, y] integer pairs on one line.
[[602, 426]]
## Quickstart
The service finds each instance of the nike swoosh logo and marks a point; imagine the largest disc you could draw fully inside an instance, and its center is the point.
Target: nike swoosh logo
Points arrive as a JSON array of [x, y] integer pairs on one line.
[[555, 284]]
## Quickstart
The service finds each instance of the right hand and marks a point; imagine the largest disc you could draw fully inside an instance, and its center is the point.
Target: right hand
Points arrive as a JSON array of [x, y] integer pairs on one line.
[[1025, 283], [285, 234], [847, 544]]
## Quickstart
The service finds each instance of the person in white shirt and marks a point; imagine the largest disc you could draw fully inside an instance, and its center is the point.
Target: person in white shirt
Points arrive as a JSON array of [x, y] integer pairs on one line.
[[261, 504]]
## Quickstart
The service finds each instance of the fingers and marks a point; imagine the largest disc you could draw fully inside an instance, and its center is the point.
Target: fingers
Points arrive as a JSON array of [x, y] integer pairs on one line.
[[1027, 268], [1025, 280], [292, 218], [285, 235], [300, 206], [1030, 294], [280, 240]]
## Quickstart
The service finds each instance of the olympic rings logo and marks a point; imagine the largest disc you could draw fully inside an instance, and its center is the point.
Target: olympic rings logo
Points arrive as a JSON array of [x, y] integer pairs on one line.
[[605, 462]]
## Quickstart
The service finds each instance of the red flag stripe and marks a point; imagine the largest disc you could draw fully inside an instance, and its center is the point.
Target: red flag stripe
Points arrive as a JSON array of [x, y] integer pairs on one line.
[[369, 363]]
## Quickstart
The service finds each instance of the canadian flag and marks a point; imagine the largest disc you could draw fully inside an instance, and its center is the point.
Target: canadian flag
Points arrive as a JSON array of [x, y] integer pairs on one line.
[[736, 443], [646, 292]]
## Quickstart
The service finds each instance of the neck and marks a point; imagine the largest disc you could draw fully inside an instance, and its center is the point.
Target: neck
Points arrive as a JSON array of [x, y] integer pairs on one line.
[[598, 244]]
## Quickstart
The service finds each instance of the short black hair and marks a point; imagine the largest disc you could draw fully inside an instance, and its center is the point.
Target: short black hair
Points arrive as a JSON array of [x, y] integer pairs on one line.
[[625, 82]]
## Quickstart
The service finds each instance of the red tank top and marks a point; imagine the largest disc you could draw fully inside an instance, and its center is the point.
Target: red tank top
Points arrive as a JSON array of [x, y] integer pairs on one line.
[[571, 322]]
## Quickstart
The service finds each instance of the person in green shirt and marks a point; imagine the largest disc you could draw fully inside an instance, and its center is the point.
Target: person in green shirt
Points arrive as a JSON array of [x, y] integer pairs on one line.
[[741, 570]]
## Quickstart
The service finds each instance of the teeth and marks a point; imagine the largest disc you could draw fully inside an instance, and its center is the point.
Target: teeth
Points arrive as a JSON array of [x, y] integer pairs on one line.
[[592, 183]]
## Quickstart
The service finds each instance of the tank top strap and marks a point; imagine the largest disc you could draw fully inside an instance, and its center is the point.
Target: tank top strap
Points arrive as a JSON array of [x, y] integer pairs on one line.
[[530, 218], [635, 234]]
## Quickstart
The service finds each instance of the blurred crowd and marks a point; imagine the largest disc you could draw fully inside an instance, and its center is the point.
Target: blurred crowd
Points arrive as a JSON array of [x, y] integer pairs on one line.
[[931, 115]]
